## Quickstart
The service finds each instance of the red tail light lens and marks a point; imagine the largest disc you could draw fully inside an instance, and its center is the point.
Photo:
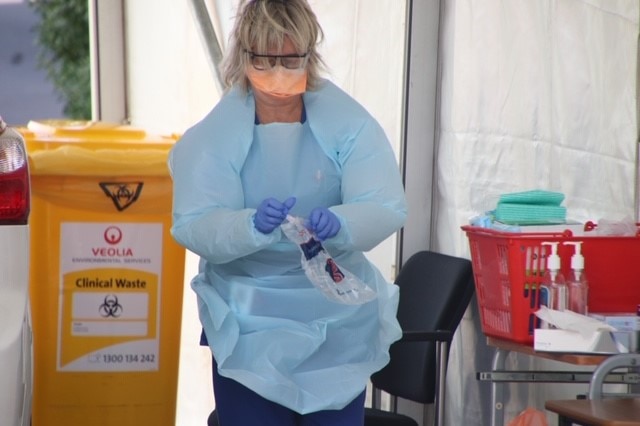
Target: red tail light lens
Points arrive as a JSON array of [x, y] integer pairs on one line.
[[14, 179]]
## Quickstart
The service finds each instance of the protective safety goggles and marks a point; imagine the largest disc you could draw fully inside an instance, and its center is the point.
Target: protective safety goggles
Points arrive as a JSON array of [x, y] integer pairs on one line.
[[266, 62]]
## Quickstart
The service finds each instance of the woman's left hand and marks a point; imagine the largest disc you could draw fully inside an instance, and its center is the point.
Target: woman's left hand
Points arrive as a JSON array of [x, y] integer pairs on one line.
[[323, 223]]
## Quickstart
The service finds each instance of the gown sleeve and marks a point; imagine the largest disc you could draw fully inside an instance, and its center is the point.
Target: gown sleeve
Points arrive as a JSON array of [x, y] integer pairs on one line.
[[209, 217], [373, 199]]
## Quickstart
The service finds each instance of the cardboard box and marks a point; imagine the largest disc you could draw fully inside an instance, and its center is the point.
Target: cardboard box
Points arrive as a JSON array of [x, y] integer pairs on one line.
[[620, 321], [555, 340], [600, 342]]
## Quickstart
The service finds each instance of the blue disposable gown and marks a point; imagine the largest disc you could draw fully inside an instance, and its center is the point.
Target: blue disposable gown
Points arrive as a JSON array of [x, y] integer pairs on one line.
[[267, 326]]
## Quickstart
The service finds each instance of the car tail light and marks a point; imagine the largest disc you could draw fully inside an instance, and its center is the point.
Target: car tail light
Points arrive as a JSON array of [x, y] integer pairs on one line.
[[14, 178]]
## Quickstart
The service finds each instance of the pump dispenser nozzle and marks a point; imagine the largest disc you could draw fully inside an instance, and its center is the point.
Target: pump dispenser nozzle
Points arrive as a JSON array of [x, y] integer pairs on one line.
[[577, 281], [577, 260], [553, 281], [553, 261]]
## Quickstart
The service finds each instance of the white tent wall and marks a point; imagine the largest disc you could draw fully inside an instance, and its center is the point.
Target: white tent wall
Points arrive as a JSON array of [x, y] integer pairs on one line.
[[534, 94], [170, 87]]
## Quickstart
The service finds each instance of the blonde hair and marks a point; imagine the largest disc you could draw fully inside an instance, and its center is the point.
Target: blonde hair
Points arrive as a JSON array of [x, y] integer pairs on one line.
[[263, 24]]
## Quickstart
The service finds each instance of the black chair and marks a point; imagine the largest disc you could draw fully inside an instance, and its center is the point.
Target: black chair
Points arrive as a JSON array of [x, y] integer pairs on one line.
[[213, 419], [435, 290]]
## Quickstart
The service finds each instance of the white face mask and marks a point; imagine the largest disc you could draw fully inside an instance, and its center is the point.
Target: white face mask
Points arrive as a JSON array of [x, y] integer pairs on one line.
[[278, 81]]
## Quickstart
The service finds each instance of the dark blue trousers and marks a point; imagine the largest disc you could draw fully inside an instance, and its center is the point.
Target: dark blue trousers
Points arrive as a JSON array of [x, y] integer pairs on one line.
[[237, 405]]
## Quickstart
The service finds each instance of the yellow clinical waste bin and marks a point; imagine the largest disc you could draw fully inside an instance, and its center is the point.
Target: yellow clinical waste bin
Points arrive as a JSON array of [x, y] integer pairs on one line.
[[106, 276]]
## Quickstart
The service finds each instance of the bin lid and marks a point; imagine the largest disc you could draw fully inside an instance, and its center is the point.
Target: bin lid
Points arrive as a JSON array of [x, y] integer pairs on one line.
[[93, 148]]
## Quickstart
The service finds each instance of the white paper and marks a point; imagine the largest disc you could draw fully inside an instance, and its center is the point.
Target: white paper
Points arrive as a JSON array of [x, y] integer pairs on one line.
[[569, 320]]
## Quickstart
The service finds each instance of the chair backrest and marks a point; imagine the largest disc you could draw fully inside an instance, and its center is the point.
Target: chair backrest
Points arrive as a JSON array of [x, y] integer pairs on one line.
[[435, 290]]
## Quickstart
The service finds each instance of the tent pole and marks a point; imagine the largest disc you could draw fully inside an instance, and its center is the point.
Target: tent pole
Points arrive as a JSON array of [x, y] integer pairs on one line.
[[209, 38]]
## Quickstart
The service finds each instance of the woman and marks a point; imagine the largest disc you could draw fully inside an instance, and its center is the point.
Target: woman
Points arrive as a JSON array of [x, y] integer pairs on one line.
[[284, 141]]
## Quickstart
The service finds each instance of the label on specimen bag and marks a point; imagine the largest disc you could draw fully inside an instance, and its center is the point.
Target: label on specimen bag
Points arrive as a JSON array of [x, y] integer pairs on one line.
[[335, 283], [109, 296]]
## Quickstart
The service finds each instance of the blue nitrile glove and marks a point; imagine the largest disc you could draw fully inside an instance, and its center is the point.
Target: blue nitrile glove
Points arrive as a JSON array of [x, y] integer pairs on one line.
[[271, 213], [323, 223]]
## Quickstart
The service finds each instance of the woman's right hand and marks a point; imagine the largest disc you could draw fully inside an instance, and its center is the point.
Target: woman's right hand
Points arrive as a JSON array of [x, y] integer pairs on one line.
[[271, 213]]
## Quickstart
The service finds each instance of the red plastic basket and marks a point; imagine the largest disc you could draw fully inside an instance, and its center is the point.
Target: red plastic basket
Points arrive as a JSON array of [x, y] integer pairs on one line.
[[508, 269]]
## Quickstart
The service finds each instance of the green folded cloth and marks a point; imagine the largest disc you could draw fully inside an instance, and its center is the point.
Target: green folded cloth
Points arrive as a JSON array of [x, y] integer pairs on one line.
[[535, 196], [534, 207], [529, 214]]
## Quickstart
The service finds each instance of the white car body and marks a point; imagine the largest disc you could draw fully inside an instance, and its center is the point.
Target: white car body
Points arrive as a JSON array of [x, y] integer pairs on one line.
[[15, 326]]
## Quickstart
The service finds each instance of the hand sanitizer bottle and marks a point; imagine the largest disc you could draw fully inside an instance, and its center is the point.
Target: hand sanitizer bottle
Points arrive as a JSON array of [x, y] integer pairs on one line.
[[577, 281], [554, 281]]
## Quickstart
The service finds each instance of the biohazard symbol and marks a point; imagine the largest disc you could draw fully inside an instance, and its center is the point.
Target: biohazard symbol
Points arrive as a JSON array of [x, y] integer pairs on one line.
[[123, 194], [111, 307]]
